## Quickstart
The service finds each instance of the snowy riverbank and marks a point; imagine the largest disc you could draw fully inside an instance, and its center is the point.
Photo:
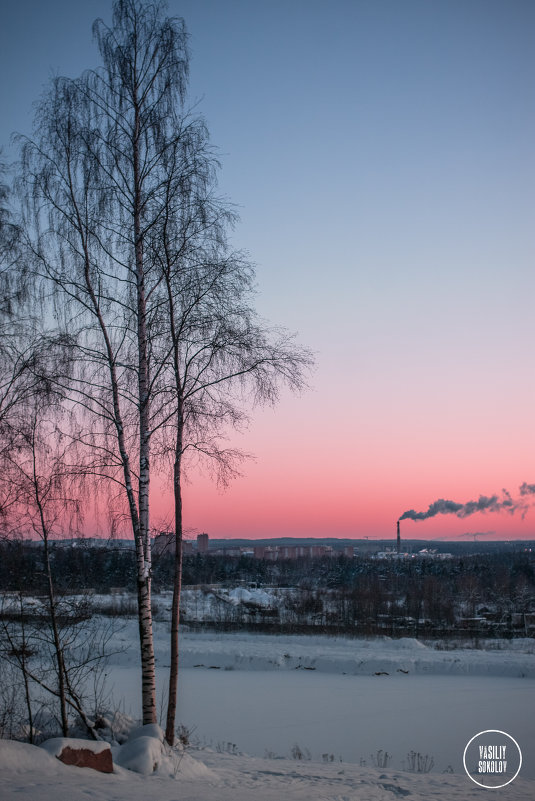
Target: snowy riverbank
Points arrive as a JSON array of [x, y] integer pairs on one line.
[[325, 654]]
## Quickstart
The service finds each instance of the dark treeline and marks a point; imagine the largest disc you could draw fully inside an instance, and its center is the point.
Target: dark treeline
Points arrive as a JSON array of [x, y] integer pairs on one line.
[[74, 568], [105, 568], [417, 596]]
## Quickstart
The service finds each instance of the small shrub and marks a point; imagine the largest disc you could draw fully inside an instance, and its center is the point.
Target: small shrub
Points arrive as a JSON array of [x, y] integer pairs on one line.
[[419, 763], [380, 759], [298, 753], [184, 735], [329, 758], [227, 748]]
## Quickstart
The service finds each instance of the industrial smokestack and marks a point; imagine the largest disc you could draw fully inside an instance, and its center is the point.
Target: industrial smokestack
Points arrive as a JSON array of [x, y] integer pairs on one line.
[[399, 540]]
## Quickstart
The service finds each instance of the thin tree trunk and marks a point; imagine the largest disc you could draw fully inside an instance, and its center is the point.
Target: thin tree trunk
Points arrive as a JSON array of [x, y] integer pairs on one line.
[[177, 587], [139, 517], [177, 490], [50, 590], [75, 702], [27, 694], [55, 632]]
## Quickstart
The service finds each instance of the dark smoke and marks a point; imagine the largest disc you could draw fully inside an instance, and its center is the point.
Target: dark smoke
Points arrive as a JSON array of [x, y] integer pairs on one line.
[[484, 504]]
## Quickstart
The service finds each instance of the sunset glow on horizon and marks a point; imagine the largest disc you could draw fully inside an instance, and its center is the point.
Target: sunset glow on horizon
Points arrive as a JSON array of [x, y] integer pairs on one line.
[[387, 195]]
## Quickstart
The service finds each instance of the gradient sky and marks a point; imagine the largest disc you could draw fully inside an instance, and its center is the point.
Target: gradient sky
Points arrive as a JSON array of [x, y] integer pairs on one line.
[[381, 154]]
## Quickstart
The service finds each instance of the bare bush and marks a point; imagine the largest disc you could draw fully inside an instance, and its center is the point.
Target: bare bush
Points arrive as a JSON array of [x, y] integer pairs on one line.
[[419, 763]]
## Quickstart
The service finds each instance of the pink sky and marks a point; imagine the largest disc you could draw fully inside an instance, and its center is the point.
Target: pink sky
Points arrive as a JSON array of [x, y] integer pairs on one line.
[[354, 478], [386, 191]]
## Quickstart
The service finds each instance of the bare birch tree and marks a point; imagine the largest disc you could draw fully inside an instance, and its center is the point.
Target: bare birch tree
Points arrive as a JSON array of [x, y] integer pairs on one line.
[[221, 358], [95, 171], [153, 306], [35, 466]]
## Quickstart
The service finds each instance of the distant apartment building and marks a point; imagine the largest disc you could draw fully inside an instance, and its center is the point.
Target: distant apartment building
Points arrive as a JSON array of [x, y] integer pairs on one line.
[[272, 553], [288, 552], [164, 542]]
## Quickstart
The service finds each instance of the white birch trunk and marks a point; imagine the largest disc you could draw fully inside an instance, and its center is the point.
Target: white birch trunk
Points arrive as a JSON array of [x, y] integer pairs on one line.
[[148, 676]]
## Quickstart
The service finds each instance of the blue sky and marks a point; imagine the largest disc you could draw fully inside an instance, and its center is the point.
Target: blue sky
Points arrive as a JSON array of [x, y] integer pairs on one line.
[[381, 156]]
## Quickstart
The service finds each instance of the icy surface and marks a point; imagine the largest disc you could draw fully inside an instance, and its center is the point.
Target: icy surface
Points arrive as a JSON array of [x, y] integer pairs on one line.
[[350, 717], [344, 697]]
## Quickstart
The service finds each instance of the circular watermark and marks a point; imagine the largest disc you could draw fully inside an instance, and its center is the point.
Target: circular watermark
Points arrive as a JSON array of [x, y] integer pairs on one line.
[[492, 759]]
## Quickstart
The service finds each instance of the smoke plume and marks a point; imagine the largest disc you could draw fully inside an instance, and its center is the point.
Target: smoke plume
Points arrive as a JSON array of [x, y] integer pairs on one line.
[[492, 503]]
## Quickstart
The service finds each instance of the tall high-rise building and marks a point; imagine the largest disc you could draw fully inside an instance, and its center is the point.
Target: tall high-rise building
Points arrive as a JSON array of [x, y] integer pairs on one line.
[[202, 543]]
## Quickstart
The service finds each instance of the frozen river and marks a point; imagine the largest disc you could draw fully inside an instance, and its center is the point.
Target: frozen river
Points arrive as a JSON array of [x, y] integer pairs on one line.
[[346, 717]]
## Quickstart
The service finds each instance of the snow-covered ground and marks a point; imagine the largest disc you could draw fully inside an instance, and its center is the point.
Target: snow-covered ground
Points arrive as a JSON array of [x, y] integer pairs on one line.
[[29, 773], [337, 702]]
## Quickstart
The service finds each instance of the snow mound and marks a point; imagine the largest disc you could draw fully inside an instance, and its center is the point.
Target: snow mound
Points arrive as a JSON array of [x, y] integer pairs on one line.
[[149, 730], [408, 644], [190, 768], [115, 726], [21, 757], [146, 753], [142, 754], [255, 596]]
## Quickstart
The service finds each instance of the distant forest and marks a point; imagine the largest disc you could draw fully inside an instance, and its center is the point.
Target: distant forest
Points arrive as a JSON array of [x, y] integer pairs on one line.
[[491, 593]]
